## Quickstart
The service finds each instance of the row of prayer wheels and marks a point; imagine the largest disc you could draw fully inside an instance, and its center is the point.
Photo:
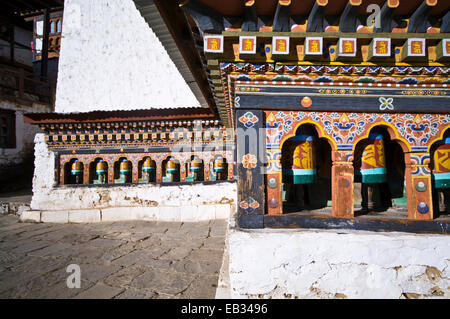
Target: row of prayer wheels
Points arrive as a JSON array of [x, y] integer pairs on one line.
[[148, 168], [299, 168], [373, 161], [302, 168]]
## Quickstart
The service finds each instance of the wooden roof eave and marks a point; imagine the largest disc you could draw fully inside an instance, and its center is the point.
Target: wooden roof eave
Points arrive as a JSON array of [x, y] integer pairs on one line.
[[182, 114]]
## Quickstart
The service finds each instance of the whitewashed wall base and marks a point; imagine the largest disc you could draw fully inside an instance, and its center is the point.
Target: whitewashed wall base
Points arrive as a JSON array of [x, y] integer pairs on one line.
[[166, 213], [345, 264]]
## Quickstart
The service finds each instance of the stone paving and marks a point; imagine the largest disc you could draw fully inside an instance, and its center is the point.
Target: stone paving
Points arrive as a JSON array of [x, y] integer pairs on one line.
[[138, 259]]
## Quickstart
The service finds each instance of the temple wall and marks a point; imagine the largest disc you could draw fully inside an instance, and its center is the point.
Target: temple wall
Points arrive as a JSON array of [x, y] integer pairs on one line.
[[153, 202], [22, 56], [24, 133], [111, 60], [16, 164], [326, 264]]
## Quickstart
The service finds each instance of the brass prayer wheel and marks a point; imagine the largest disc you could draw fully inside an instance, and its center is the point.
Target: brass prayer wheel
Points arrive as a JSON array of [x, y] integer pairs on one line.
[[125, 167], [101, 168], [196, 165], [148, 165], [219, 165], [77, 168], [171, 166]]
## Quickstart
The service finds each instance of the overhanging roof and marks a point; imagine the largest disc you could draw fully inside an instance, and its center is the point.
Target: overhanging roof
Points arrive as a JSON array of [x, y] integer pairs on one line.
[[303, 7], [181, 49], [24, 7], [176, 115]]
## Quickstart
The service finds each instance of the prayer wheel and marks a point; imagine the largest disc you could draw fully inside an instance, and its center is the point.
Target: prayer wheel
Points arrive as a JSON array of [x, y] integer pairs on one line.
[[148, 166], [302, 161], [196, 165], [373, 160], [171, 166], [77, 168], [101, 168], [219, 165], [441, 158], [125, 167]]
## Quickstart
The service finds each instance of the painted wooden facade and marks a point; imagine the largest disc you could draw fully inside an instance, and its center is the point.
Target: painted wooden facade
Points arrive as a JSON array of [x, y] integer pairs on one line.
[[375, 98], [317, 99], [128, 148]]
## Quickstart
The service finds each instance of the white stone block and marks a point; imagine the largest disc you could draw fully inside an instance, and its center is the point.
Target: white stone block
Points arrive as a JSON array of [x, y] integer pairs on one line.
[[223, 211], [146, 213], [22, 208], [206, 212], [4, 208], [55, 217], [170, 214], [189, 213], [117, 213], [31, 216], [84, 216]]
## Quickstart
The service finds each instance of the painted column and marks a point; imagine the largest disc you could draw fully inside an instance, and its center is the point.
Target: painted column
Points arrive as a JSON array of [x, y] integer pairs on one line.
[[159, 170], [61, 173], [274, 183], [183, 172], [342, 184], [250, 146], [135, 170], [206, 167], [418, 186], [110, 176], [86, 173]]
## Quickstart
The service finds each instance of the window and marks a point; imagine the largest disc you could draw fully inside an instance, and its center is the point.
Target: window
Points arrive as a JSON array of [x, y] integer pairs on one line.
[[58, 26], [7, 129]]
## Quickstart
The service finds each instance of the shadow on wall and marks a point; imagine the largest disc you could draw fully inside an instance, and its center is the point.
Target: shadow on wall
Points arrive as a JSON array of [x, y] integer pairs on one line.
[[15, 177]]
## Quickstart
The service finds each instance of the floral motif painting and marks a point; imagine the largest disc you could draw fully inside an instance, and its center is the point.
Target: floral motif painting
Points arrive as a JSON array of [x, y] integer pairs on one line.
[[344, 129]]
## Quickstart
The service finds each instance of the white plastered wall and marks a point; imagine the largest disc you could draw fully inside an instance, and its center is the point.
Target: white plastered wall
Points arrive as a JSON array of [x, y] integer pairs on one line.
[[111, 60], [346, 264], [152, 202]]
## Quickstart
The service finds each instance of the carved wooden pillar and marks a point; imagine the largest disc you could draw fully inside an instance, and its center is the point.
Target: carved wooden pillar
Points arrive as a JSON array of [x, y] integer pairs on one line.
[[274, 183], [86, 173], [342, 184], [183, 172], [62, 172], [206, 168], [44, 52], [418, 186], [250, 168], [110, 176], [231, 166], [135, 170], [159, 170]]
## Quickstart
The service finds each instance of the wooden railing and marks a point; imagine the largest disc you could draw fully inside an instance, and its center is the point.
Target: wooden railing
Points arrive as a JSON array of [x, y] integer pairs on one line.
[[25, 86]]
